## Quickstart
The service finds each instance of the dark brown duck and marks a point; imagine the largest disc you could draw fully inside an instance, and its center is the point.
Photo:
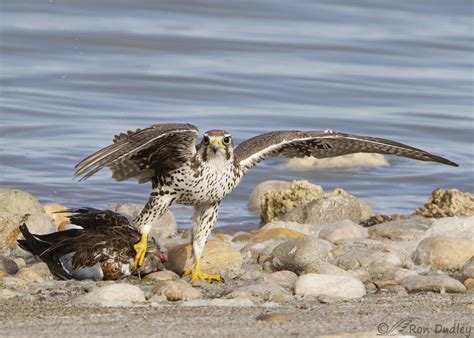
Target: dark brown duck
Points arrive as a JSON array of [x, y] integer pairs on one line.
[[101, 250]]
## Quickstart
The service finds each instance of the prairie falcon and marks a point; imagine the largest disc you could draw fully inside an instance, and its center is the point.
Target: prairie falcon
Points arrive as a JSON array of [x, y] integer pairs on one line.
[[202, 175]]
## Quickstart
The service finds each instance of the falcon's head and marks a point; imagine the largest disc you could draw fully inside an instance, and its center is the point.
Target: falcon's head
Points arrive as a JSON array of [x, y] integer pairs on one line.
[[216, 145]]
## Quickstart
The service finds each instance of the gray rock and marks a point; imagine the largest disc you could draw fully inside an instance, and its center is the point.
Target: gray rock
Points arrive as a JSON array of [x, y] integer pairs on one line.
[[468, 269], [338, 231], [8, 265], [332, 208], [400, 274], [329, 285], [444, 253], [19, 202], [119, 294], [398, 230], [285, 279], [299, 253], [438, 283], [381, 270], [363, 258], [251, 272], [261, 189]]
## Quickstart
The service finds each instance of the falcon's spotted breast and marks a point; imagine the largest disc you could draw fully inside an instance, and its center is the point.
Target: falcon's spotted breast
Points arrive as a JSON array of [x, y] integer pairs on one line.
[[202, 175]]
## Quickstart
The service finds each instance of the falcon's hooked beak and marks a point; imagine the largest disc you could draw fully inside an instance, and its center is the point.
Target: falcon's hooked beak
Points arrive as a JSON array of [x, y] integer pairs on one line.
[[216, 145]]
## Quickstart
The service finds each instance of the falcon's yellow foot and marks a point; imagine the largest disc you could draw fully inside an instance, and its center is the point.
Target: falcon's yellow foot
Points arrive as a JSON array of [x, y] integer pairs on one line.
[[140, 248], [196, 273]]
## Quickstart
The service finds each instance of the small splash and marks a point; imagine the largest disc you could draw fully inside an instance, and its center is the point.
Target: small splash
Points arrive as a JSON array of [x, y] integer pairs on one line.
[[359, 160]]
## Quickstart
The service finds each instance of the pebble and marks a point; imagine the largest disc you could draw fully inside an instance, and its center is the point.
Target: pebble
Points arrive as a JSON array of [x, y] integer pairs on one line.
[[275, 317], [7, 294], [398, 230], [42, 269], [297, 254], [29, 275], [265, 291], [8, 265], [468, 269], [377, 219], [329, 285], [235, 302], [284, 278], [119, 294], [444, 253], [469, 283], [260, 252], [161, 276], [20, 262], [338, 231], [437, 283], [176, 290], [218, 258], [254, 202], [19, 202]]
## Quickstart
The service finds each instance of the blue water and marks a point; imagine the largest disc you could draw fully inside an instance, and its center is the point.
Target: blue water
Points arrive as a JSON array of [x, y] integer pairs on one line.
[[74, 73]]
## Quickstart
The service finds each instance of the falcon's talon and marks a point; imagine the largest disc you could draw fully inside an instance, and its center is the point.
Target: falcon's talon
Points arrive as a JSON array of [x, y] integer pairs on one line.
[[140, 248], [197, 274]]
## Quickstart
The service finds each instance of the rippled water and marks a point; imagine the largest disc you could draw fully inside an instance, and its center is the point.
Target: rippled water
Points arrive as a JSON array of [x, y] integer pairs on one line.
[[73, 73]]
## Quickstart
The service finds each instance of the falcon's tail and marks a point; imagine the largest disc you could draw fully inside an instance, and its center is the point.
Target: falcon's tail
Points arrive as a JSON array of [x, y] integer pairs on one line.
[[31, 242]]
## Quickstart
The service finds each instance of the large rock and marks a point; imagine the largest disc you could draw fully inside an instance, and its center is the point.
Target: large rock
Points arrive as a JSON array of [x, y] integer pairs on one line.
[[444, 253], [265, 291], [38, 223], [255, 200], [298, 254], [119, 294], [331, 208], [447, 203], [218, 258], [440, 283], [163, 227], [276, 203], [175, 290], [398, 230], [338, 231], [19, 202], [329, 285], [459, 227]]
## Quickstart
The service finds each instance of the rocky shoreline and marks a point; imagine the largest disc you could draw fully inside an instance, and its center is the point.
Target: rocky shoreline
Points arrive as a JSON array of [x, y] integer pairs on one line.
[[312, 250]]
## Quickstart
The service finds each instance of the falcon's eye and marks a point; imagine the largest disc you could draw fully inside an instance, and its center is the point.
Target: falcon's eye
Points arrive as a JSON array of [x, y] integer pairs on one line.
[[226, 140], [205, 139]]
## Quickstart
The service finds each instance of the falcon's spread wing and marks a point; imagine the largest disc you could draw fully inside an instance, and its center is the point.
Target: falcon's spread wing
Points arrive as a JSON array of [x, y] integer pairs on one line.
[[321, 145], [144, 153]]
